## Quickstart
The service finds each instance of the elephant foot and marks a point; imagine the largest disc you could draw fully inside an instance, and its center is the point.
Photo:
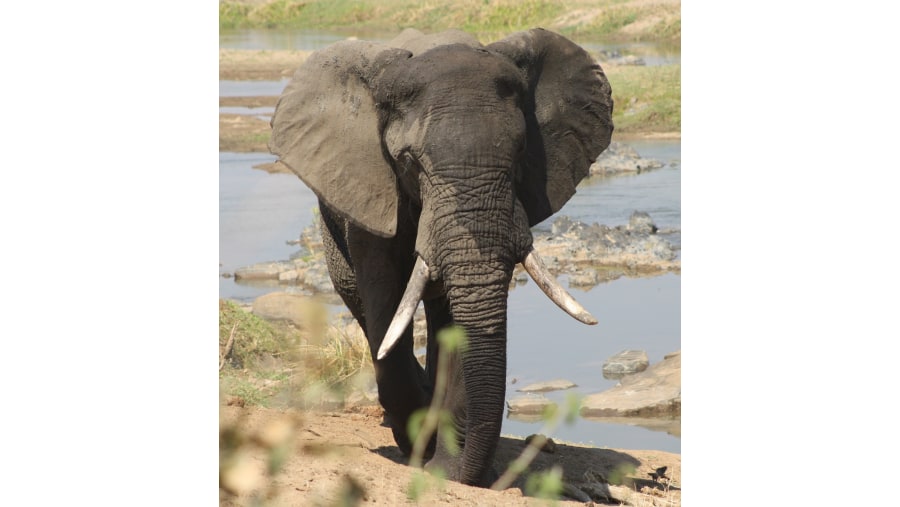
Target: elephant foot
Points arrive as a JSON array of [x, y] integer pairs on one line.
[[451, 468], [403, 441]]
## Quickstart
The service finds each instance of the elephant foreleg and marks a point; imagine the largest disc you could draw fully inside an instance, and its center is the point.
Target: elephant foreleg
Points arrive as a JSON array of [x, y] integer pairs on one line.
[[381, 267], [337, 256]]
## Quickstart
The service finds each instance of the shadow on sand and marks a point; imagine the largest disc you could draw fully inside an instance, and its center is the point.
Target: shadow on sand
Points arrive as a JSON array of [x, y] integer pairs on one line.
[[618, 467]]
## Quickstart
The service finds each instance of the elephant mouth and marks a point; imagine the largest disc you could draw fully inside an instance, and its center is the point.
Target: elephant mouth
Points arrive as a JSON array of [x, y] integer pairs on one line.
[[421, 273]]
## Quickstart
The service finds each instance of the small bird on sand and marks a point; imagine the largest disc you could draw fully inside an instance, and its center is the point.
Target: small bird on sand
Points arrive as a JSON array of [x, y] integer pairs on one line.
[[660, 473]]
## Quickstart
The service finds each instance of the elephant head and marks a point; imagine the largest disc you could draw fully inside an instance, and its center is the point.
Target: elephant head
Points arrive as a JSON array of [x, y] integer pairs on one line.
[[471, 144]]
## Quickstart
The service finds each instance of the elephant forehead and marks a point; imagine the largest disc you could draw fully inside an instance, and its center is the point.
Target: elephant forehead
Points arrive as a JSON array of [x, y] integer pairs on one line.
[[459, 65]]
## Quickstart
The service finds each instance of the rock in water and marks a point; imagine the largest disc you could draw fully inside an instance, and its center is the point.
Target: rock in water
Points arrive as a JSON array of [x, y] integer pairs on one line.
[[624, 363], [641, 222], [652, 393], [621, 158], [528, 405], [550, 385]]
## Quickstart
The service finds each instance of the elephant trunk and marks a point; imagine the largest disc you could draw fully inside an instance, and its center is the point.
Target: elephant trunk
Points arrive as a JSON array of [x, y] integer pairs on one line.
[[467, 238], [478, 302]]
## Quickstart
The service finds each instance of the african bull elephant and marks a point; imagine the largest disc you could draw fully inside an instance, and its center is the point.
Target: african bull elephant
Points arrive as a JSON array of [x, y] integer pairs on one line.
[[432, 156]]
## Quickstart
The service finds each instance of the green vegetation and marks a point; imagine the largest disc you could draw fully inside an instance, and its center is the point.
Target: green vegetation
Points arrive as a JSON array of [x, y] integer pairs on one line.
[[294, 13], [254, 338], [619, 21], [279, 364], [501, 18], [646, 99], [608, 19]]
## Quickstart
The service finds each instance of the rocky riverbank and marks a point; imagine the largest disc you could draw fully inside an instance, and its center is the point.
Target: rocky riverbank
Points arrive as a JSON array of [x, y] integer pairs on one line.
[[588, 254], [648, 397]]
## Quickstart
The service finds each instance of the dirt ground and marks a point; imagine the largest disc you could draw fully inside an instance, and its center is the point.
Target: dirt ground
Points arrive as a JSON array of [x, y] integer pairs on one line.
[[349, 458], [330, 458]]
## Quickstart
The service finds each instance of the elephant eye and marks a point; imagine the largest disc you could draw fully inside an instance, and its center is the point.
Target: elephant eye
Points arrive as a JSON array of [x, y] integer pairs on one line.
[[409, 162]]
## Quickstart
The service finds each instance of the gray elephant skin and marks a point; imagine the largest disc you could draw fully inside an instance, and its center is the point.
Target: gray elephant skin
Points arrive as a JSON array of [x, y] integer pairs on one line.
[[437, 153]]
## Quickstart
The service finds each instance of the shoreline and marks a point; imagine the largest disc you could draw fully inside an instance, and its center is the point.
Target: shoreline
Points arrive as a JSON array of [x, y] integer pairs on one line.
[[249, 132]]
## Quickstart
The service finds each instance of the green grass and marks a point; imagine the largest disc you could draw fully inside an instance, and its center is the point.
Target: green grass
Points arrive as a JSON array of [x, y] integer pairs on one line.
[[295, 14], [614, 18], [254, 338], [668, 30], [258, 138], [646, 99], [498, 19], [280, 364], [607, 22], [489, 20], [234, 15], [247, 391]]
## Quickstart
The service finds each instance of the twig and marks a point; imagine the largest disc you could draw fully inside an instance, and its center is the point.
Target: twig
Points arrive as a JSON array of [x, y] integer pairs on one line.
[[228, 347], [430, 424]]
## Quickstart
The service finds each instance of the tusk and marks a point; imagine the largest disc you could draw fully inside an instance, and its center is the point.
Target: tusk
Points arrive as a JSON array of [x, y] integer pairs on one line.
[[407, 308], [547, 282]]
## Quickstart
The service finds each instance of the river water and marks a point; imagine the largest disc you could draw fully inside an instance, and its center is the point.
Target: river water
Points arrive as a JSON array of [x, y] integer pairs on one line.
[[259, 212]]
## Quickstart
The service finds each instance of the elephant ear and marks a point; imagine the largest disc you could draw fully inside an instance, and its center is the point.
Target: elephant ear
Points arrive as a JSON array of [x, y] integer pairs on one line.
[[325, 130], [568, 113]]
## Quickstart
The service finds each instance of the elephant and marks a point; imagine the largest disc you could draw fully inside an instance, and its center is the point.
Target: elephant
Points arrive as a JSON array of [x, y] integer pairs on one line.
[[432, 156]]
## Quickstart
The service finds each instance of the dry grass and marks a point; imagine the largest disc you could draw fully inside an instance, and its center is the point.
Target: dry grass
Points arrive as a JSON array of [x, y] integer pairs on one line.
[[289, 366]]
